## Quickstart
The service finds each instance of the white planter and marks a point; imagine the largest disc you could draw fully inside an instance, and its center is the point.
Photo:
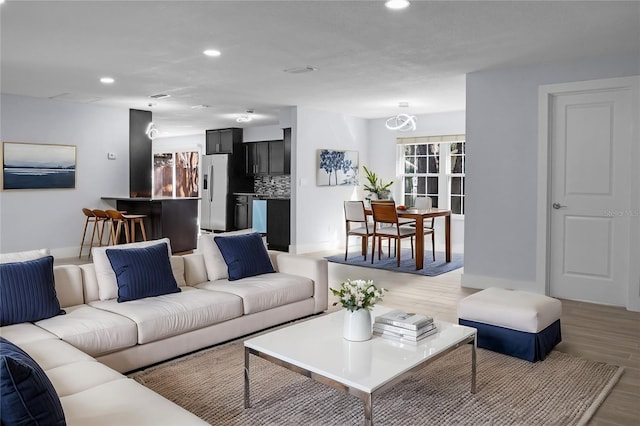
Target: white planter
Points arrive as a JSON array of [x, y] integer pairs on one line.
[[357, 325]]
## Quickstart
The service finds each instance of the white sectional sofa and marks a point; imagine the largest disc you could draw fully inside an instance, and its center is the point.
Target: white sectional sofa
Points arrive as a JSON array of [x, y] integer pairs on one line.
[[84, 351]]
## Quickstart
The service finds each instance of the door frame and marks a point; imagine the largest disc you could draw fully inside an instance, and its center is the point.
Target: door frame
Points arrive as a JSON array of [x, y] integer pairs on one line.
[[543, 249]]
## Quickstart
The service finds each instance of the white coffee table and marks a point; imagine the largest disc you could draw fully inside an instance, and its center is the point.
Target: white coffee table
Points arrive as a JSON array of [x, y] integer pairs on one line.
[[316, 349]]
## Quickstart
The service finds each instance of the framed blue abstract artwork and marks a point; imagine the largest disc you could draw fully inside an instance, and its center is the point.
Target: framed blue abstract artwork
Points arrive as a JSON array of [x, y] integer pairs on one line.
[[38, 166]]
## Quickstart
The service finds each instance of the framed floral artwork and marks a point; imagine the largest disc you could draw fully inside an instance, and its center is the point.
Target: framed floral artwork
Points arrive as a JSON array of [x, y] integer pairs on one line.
[[337, 168]]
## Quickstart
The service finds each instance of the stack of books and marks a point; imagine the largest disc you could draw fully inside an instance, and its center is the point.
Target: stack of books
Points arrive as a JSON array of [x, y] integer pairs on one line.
[[403, 326]]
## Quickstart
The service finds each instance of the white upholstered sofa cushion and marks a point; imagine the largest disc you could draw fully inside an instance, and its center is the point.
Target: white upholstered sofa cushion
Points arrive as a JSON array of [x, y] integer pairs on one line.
[[124, 402], [79, 376], [164, 316], [92, 330], [25, 332], [265, 291], [51, 353], [23, 256]]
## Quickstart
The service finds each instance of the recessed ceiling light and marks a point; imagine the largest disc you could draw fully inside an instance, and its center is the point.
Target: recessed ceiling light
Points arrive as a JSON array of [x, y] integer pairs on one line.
[[301, 70], [397, 4], [212, 52], [201, 106], [106, 80], [159, 96]]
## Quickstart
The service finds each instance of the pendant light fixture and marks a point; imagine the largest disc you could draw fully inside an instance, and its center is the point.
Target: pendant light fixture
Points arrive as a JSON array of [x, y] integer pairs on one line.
[[402, 122]]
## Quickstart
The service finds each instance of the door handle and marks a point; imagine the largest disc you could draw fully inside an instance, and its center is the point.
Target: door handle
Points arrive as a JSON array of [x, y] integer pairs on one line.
[[557, 206]]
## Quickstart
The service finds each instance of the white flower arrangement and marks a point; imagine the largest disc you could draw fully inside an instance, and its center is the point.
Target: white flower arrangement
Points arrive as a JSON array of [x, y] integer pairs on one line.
[[358, 294]]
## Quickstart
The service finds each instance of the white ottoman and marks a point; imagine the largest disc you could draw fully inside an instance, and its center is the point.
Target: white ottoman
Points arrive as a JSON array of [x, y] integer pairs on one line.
[[513, 322]]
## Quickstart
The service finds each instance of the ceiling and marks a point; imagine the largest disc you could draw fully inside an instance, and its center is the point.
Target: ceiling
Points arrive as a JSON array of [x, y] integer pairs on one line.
[[368, 58]]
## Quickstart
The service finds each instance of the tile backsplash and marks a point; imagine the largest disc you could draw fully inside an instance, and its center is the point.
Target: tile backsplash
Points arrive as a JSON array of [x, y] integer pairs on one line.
[[273, 186]]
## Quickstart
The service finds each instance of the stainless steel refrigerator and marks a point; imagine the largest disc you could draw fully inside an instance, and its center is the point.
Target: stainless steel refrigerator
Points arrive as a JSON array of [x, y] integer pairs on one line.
[[221, 176]]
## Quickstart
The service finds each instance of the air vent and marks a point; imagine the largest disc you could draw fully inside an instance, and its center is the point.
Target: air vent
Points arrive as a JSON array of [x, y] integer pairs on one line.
[[74, 98], [300, 70], [160, 96]]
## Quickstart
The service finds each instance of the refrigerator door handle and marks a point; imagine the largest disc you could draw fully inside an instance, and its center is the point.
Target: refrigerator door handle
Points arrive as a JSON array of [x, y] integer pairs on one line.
[[212, 183]]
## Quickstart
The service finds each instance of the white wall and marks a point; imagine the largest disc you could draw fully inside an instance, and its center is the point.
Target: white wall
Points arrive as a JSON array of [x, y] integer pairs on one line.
[[53, 218], [381, 146], [318, 215], [502, 164]]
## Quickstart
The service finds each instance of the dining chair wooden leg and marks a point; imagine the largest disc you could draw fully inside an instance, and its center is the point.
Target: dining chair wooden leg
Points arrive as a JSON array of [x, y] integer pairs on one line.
[[412, 255], [365, 246], [346, 245], [433, 245], [373, 248], [398, 244]]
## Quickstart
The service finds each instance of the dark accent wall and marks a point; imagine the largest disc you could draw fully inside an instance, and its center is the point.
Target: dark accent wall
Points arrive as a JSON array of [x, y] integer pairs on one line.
[[140, 163]]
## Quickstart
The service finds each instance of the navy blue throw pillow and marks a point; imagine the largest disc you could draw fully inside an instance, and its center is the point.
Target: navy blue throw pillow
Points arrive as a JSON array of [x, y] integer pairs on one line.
[[245, 255], [27, 291], [142, 272], [27, 396]]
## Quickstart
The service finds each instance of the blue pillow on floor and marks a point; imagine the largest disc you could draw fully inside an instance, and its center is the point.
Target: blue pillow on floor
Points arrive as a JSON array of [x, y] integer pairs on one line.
[[27, 291], [142, 272], [245, 255], [27, 396]]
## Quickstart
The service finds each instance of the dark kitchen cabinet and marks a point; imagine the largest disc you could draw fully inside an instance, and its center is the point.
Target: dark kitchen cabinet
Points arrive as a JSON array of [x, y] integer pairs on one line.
[[278, 224], [243, 211], [266, 158], [223, 141], [257, 158]]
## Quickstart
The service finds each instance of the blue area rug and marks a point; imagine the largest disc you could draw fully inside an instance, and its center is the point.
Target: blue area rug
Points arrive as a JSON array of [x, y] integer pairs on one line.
[[407, 264]]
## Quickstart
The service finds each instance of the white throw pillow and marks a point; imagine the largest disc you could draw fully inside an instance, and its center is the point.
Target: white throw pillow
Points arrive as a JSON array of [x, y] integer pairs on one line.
[[213, 260], [107, 283], [23, 256]]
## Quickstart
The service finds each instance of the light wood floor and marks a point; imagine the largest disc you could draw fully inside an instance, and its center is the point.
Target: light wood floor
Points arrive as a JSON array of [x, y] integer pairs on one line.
[[601, 333]]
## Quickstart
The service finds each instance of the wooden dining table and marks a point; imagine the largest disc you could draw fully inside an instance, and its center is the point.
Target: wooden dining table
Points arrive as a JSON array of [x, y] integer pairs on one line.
[[419, 215]]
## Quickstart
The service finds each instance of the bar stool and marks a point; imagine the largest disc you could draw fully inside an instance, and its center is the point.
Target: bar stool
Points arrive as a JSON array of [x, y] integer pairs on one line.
[[93, 219], [118, 219], [101, 215]]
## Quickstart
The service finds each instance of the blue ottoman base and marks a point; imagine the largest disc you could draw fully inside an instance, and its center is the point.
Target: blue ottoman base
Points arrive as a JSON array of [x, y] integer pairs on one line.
[[528, 346]]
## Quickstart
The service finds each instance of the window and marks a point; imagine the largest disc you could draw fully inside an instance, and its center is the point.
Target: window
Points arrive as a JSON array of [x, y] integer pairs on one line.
[[434, 166], [175, 174]]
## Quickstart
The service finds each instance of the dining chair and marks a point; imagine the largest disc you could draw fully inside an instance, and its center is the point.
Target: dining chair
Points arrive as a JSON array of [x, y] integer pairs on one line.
[[354, 215], [386, 214], [424, 203], [401, 221]]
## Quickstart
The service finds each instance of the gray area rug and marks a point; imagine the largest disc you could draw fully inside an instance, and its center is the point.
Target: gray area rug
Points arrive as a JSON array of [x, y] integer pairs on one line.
[[561, 390], [407, 264]]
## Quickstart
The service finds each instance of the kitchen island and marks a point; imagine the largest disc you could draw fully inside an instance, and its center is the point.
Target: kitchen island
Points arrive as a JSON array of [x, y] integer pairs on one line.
[[167, 217]]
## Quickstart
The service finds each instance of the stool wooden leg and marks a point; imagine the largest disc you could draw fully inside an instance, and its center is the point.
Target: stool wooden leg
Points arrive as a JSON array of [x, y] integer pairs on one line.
[[84, 234], [144, 232], [93, 236], [127, 233]]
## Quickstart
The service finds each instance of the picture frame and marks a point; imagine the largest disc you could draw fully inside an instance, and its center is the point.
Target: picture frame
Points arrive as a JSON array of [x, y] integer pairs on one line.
[[38, 166], [337, 168]]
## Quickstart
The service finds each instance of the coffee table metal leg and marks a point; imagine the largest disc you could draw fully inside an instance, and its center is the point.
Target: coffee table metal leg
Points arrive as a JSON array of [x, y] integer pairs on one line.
[[473, 364], [247, 397], [368, 410]]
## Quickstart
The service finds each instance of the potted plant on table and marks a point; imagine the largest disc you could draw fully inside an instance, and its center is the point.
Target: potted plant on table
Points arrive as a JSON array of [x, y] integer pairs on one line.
[[358, 297], [376, 186]]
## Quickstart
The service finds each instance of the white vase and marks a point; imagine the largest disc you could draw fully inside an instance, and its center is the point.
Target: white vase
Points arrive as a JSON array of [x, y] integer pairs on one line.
[[357, 325]]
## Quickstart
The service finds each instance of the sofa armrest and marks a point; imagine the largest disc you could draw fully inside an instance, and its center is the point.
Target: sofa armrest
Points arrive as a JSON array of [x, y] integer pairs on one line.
[[316, 269]]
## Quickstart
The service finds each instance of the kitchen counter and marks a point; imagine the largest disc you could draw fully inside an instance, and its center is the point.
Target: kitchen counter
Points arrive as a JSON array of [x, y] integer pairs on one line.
[[167, 217]]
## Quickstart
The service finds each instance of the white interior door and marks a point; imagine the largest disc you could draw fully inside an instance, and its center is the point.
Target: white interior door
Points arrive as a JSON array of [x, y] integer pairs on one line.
[[590, 145]]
